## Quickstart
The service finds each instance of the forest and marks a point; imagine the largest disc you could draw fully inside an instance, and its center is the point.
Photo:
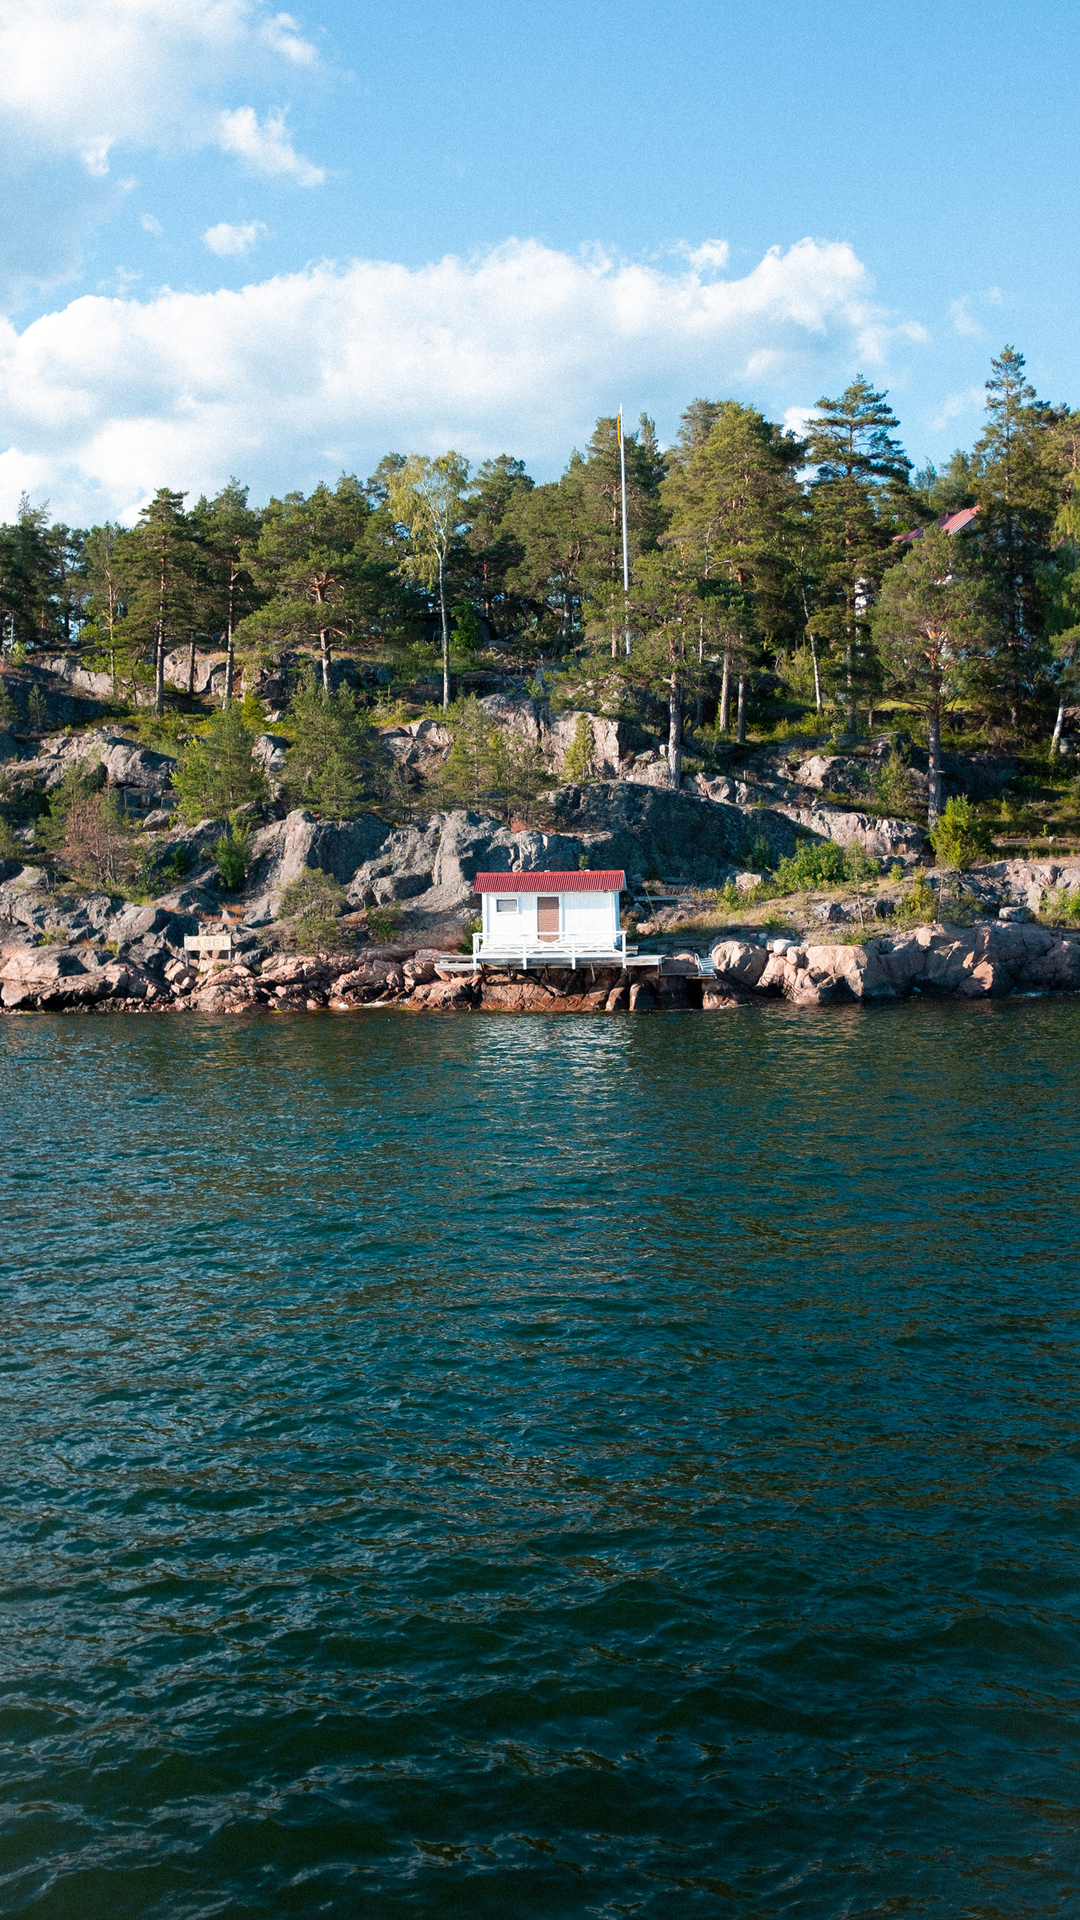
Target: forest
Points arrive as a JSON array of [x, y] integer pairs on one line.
[[772, 578]]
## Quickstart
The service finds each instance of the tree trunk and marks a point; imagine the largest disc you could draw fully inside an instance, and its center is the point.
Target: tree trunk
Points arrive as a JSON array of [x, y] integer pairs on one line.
[[324, 643], [1058, 725], [725, 694], [230, 650], [740, 734], [159, 669], [445, 637], [817, 674], [933, 739], [191, 668], [674, 744], [851, 715], [159, 637]]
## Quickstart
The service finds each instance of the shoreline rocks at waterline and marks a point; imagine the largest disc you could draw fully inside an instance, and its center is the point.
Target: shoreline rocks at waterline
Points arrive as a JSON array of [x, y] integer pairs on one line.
[[966, 963]]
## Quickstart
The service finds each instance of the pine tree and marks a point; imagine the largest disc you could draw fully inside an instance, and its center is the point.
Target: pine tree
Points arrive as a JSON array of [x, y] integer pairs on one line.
[[228, 530], [933, 630], [216, 774], [734, 507], [861, 483], [328, 763], [1017, 469], [162, 605]]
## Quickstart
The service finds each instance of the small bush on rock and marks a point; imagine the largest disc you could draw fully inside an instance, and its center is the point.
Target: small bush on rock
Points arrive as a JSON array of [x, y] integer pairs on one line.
[[382, 922], [817, 863], [960, 837], [231, 855], [314, 901]]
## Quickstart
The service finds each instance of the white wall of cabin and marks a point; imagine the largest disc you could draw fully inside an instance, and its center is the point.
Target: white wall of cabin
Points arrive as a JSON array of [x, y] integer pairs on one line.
[[586, 919]]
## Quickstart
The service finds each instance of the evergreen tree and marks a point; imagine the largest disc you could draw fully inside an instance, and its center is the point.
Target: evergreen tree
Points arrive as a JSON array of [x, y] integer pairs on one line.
[[108, 577], [858, 495], [317, 560], [933, 629], [1017, 468], [163, 557], [493, 547], [216, 774], [734, 509], [555, 525], [329, 759], [228, 530]]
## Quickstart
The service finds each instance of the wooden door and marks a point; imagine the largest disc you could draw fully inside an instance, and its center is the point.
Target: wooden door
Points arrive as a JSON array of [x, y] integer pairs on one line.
[[547, 916]]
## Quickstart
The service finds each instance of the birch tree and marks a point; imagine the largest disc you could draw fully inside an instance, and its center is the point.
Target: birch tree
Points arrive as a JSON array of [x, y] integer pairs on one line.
[[427, 501]]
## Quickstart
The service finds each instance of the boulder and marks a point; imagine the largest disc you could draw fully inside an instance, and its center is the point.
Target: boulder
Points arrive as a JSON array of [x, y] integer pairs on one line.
[[270, 750], [209, 669], [739, 963]]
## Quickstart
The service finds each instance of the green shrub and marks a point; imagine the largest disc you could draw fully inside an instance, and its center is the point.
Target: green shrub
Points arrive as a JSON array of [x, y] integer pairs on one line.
[[960, 837], [216, 774], [477, 926], [382, 922], [921, 903], [578, 765], [314, 901], [162, 869], [329, 761], [36, 710], [81, 779], [9, 714], [891, 784], [231, 855], [817, 863], [1061, 907]]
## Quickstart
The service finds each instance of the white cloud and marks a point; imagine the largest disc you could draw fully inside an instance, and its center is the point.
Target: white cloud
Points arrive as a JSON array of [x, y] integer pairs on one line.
[[956, 405], [282, 33], [963, 320], [82, 77], [265, 148], [304, 374], [225, 240], [151, 225]]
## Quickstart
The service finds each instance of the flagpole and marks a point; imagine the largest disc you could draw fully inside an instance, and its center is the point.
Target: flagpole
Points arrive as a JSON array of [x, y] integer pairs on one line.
[[625, 547]]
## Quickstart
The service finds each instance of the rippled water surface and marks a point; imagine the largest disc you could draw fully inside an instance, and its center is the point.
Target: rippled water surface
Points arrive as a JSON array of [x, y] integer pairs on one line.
[[497, 1467]]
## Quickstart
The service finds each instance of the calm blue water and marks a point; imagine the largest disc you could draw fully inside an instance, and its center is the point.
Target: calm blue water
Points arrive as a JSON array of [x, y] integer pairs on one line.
[[521, 1467]]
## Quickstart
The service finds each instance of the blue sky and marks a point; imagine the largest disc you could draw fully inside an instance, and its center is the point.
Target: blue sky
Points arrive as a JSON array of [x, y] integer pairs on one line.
[[240, 239]]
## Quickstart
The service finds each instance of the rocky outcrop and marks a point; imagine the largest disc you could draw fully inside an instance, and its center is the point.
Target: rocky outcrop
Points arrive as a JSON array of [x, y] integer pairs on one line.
[[55, 978], [639, 827], [1001, 959], [122, 762], [884, 839], [613, 742]]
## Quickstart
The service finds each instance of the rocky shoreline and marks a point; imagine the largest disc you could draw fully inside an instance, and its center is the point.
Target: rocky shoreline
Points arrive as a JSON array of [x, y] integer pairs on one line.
[[990, 961]]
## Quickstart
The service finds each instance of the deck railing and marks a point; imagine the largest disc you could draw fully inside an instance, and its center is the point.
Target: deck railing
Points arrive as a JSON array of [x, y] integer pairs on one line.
[[526, 949]]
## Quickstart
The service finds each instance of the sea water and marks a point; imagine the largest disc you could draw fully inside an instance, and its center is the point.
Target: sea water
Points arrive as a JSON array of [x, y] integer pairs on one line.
[[535, 1466]]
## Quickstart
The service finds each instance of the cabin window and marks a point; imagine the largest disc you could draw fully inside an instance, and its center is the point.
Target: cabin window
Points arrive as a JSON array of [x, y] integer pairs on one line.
[[505, 905]]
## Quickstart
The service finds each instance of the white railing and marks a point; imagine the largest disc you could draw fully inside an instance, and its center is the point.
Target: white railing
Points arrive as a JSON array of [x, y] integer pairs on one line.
[[513, 952]]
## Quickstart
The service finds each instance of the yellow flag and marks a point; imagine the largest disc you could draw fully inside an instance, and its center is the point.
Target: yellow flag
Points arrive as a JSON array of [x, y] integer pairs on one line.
[[618, 429]]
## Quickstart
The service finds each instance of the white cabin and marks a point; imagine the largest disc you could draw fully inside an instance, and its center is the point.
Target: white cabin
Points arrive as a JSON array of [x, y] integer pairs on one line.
[[541, 918]]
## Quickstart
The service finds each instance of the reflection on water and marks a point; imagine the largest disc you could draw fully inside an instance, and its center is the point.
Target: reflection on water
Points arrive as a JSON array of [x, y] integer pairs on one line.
[[541, 1467]]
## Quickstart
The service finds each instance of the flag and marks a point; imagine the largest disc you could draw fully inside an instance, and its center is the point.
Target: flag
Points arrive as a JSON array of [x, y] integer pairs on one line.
[[618, 430]]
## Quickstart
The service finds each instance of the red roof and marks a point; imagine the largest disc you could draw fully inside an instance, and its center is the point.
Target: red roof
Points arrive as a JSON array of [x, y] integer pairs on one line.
[[948, 523], [605, 880]]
